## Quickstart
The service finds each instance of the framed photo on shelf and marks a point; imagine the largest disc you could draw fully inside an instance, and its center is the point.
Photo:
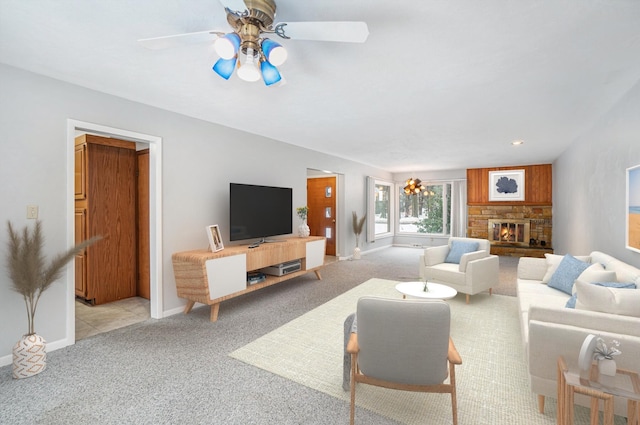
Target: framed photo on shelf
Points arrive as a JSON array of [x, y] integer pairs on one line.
[[506, 185], [633, 208], [215, 238]]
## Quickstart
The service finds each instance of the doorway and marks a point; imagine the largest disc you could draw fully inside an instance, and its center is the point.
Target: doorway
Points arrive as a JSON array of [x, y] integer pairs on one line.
[[321, 199], [153, 143]]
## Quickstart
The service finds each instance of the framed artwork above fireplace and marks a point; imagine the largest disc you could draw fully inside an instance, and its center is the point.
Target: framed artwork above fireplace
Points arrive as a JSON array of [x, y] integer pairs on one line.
[[506, 185]]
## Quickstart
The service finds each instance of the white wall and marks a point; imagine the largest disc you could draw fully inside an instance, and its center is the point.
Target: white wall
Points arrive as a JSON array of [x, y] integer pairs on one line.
[[199, 160], [589, 195]]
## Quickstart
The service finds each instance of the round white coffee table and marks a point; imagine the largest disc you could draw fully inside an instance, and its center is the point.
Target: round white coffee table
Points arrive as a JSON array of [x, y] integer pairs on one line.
[[435, 290]]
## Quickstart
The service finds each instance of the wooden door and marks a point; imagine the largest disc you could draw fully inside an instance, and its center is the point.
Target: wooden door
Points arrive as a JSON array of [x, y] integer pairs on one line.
[[111, 213], [321, 200], [142, 172]]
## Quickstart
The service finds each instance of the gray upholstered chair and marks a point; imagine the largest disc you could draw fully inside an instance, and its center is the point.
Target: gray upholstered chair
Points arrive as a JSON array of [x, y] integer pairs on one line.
[[403, 345], [465, 264]]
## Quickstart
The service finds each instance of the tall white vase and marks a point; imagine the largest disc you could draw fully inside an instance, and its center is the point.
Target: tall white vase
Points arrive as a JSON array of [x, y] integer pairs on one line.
[[303, 230], [29, 356], [356, 253]]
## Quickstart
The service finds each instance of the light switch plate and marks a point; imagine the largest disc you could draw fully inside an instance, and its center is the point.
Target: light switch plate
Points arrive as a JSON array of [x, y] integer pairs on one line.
[[32, 211]]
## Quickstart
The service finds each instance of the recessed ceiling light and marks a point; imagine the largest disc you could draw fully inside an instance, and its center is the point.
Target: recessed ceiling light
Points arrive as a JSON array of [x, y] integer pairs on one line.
[[517, 142]]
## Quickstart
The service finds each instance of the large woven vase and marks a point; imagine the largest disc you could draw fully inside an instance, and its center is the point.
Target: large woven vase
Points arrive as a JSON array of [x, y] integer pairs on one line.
[[29, 356]]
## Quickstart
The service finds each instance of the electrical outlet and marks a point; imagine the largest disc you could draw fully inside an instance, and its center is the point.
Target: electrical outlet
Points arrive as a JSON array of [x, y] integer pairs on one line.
[[32, 212]]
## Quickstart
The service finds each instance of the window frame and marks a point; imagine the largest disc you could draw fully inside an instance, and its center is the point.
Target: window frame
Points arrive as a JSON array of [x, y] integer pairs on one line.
[[390, 210], [446, 205]]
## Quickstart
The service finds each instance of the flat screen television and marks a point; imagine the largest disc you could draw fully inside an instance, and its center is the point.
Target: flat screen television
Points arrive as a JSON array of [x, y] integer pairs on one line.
[[257, 212]]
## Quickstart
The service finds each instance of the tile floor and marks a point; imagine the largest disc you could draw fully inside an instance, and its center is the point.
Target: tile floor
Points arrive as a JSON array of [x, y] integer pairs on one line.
[[93, 320]]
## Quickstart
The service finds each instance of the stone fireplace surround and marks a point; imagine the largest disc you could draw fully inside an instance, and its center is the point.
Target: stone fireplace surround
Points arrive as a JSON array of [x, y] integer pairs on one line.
[[539, 219]]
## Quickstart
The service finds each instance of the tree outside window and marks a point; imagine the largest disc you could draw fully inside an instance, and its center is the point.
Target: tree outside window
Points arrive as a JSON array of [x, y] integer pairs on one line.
[[383, 208], [428, 212]]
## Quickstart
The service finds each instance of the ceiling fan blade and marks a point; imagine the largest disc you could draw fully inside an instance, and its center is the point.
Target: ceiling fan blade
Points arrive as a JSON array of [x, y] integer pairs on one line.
[[169, 41], [351, 32], [234, 5]]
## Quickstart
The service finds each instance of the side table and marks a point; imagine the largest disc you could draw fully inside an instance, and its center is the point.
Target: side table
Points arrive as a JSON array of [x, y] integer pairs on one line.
[[625, 384]]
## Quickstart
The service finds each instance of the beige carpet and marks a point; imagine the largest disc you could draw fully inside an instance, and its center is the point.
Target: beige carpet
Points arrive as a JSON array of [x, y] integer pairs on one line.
[[492, 381]]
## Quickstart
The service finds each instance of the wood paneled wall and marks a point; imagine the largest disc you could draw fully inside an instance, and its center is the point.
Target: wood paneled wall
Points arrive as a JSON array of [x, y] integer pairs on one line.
[[537, 183]]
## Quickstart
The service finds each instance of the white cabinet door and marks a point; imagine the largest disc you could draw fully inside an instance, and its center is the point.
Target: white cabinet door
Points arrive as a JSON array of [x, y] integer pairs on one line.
[[226, 275], [315, 254]]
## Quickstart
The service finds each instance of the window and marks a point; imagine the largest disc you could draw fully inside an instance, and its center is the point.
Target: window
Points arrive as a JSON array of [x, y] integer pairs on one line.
[[382, 208], [428, 212]]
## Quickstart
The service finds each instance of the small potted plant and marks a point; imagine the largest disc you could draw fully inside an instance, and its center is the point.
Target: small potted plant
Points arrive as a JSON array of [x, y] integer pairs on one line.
[[30, 277], [604, 355], [303, 229]]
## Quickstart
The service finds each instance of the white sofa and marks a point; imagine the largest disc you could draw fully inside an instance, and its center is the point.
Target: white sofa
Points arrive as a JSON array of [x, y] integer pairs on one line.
[[549, 329], [476, 271]]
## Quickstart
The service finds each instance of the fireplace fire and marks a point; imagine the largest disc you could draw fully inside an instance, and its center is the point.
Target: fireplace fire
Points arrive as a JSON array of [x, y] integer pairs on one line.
[[513, 232]]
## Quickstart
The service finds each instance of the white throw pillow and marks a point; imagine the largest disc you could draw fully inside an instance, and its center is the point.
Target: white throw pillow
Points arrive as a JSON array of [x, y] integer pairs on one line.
[[595, 273], [553, 261], [623, 301]]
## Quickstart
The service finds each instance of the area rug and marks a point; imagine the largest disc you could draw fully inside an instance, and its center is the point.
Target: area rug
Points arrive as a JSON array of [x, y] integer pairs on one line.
[[492, 381]]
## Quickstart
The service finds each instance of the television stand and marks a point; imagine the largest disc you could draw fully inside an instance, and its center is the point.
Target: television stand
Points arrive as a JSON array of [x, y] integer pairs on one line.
[[212, 277]]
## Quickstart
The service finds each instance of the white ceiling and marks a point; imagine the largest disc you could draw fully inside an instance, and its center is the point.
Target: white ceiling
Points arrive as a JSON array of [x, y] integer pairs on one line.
[[438, 84]]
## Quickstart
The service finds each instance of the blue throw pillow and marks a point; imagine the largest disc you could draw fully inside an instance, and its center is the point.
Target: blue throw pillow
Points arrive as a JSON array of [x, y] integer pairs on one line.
[[567, 272], [458, 249], [571, 302]]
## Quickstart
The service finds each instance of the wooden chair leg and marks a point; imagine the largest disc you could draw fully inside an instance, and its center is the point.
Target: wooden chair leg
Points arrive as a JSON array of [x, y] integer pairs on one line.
[[454, 402], [490, 291], [467, 298], [352, 412]]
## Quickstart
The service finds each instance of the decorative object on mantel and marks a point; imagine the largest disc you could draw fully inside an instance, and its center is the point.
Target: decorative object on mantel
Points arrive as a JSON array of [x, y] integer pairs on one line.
[[604, 356], [303, 229], [30, 278], [358, 224], [507, 185], [413, 186]]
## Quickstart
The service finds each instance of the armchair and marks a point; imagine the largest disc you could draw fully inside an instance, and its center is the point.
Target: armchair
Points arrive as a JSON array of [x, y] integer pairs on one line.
[[465, 264], [403, 345]]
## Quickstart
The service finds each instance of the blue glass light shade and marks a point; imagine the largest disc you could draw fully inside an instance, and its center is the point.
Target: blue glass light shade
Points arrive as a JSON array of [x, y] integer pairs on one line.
[[274, 52], [270, 73], [225, 67], [227, 47]]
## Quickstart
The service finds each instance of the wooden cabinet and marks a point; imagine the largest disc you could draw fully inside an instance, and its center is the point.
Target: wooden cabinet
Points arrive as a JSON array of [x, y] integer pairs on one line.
[[105, 204], [212, 277]]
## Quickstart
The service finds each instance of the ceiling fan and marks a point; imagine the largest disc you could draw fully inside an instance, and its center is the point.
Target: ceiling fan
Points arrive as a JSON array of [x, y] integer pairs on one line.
[[247, 46]]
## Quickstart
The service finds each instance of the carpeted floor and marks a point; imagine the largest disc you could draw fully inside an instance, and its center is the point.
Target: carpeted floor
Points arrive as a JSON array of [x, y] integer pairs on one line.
[[178, 369], [492, 381]]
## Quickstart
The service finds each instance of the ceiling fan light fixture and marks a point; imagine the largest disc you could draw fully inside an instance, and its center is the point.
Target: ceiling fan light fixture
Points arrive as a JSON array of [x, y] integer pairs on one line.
[[225, 67], [274, 52], [248, 71], [270, 74], [227, 47]]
